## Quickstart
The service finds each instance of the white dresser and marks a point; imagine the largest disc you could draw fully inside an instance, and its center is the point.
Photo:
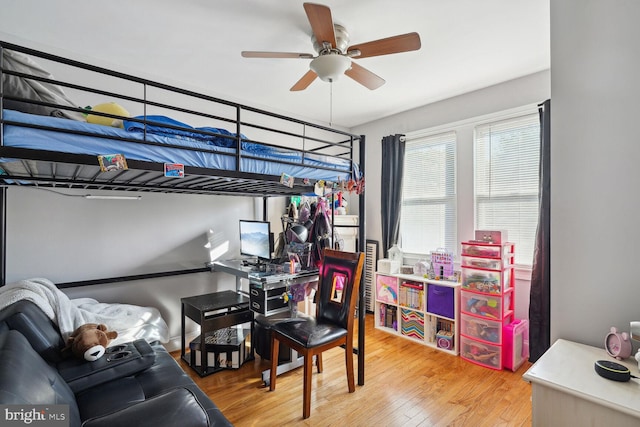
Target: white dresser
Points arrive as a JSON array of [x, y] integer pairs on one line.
[[348, 234], [566, 391]]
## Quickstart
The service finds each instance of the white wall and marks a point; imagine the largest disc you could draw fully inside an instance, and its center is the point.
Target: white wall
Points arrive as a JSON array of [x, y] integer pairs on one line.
[[595, 155], [65, 239], [528, 90]]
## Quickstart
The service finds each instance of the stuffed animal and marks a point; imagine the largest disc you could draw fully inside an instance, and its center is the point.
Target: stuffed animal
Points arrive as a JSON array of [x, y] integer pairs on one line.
[[107, 108], [89, 341]]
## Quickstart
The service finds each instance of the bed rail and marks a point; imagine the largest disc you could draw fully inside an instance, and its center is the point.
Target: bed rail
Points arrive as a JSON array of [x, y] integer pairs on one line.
[[145, 98]]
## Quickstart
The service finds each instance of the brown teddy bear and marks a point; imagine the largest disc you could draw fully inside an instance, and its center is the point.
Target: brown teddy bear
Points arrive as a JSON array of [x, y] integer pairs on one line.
[[89, 341]]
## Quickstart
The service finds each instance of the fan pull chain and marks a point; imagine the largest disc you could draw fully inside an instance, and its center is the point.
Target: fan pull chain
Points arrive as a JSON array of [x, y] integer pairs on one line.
[[331, 104]]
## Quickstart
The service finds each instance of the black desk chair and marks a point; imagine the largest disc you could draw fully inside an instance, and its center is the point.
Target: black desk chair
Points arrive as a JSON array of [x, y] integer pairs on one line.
[[338, 284]]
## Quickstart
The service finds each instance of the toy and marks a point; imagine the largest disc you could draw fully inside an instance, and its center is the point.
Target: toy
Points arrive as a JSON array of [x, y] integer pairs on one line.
[[107, 108], [89, 341], [482, 354], [483, 331], [483, 307], [444, 339], [482, 283], [617, 344]]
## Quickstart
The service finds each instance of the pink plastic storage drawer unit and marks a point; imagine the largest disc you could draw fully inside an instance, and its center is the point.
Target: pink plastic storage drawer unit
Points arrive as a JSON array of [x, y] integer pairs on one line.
[[387, 289], [487, 306], [440, 300], [481, 329], [488, 281], [481, 353], [516, 344]]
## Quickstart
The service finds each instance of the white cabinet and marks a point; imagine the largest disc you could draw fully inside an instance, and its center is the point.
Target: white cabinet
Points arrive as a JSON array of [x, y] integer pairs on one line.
[[347, 231], [566, 391], [419, 309]]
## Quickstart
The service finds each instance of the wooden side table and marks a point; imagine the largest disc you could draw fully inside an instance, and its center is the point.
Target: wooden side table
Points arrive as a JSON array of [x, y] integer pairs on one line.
[[212, 312]]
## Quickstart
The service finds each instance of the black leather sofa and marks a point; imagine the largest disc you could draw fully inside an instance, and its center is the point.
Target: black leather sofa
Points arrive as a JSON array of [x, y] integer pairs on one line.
[[135, 384]]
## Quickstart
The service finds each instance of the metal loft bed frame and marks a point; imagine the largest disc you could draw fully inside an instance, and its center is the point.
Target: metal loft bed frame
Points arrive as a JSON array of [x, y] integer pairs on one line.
[[47, 168]]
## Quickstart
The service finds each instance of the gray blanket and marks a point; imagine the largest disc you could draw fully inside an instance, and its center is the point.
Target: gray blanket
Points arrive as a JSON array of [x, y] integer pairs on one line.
[[33, 89]]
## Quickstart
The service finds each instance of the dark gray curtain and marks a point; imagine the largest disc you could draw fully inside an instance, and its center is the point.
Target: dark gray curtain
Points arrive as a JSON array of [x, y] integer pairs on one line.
[[539, 305], [391, 189]]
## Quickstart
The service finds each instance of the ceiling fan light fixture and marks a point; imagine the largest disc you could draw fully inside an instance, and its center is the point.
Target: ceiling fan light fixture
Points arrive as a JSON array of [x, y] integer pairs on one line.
[[330, 67]]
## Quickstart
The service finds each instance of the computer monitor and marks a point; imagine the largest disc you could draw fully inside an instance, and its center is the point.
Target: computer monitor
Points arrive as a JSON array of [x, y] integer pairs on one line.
[[255, 239]]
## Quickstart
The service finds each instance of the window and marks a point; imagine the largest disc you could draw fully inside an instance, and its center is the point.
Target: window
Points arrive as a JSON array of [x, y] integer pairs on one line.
[[506, 179], [428, 217]]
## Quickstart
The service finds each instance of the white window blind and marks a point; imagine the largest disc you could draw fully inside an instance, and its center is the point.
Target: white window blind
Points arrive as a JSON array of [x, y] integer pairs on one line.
[[428, 217], [507, 155]]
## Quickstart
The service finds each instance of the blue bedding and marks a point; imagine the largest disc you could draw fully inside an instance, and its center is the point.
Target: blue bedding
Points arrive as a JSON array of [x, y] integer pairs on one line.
[[212, 151], [157, 125]]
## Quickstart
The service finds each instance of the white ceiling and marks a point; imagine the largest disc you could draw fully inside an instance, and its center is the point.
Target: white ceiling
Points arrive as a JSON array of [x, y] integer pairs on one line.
[[466, 45]]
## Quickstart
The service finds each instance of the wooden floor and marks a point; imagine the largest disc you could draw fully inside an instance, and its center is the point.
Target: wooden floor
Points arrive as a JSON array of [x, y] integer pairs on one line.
[[406, 384]]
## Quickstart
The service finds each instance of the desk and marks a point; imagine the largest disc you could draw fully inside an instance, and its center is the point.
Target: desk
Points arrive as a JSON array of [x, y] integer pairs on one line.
[[235, 268], [212, 312], [566, 391], [263, 285]]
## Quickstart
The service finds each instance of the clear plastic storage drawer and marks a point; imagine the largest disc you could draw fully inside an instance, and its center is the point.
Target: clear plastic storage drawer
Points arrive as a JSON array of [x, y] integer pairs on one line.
[[488, 281], [487, 306], [481, 353], [481, 329], [488, 263], [487, 250]]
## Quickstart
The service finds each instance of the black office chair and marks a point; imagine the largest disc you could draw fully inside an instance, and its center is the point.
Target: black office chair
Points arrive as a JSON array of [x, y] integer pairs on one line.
[[338, 284]]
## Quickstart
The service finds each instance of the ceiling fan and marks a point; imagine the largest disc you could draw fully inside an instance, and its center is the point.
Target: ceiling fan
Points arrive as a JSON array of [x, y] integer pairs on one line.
[[334, 55]]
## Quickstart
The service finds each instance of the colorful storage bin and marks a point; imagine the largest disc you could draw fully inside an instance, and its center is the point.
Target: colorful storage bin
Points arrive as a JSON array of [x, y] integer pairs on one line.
[[440, 300], [412, 324], [386, 289], [445, 339]]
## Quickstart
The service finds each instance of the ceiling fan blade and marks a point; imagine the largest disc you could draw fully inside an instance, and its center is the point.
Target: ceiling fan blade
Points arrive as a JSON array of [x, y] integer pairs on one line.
[[365, 77], [396, 44], [305, 81], [321, 22], [257, 54]]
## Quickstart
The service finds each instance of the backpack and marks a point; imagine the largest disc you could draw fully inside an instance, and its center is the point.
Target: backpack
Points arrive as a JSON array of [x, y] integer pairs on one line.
[[320, 233]]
